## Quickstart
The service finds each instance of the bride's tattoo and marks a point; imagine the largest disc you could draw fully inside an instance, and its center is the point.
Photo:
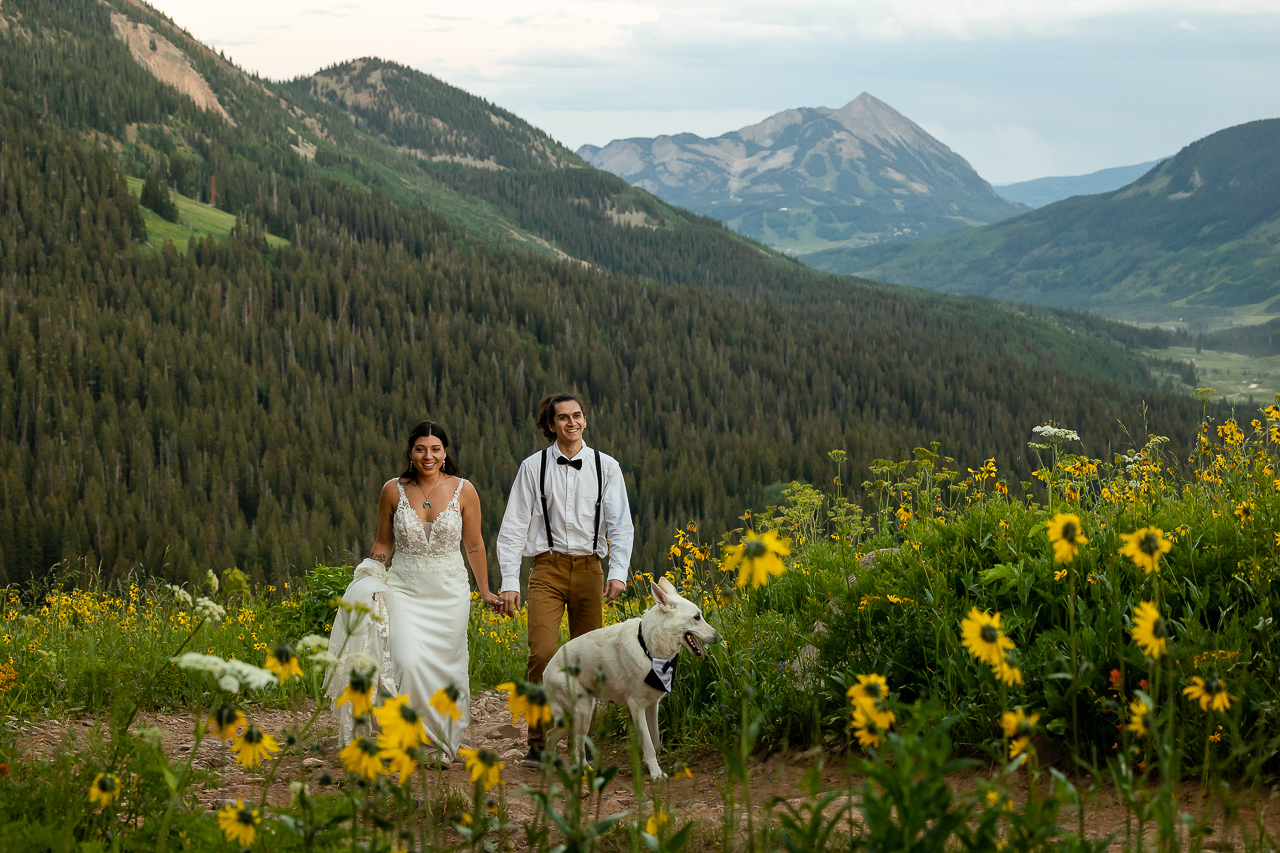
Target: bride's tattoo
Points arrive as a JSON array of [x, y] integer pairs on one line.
[[474, 550], [381, 558]]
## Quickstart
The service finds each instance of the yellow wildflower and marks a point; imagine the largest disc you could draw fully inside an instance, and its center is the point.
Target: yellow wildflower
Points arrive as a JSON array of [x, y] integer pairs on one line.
[[1150, 630], [757, 557], [528, 701], [1139, 717], [484, 767], [982, 636], [239, 823], [283, 662], [1064, 532], [1144, 546], [362, 756], [656, 821], [1212, 694], [104, 788], [445, 702], [252, 746], [400, 723]]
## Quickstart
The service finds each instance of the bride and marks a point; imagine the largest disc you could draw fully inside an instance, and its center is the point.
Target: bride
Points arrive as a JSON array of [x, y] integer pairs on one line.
[[421, 604]]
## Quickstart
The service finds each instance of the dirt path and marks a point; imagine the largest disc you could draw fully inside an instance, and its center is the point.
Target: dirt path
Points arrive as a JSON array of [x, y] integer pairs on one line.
[[698, 797]]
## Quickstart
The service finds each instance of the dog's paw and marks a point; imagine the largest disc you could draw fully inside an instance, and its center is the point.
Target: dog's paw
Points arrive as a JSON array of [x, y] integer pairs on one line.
[[655, 773]]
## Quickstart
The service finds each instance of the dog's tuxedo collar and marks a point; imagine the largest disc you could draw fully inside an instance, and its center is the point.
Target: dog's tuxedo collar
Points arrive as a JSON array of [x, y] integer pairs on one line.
[[663, 671]]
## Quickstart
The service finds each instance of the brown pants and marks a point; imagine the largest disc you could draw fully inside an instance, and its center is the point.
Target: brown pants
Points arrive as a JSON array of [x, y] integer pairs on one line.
[[560, 582]]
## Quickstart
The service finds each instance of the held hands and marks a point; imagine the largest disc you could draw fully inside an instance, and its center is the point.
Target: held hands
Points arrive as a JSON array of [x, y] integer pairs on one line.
[[507, 603]]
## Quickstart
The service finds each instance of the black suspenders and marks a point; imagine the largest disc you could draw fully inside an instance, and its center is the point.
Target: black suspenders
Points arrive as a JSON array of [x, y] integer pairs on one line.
[[542, 494]]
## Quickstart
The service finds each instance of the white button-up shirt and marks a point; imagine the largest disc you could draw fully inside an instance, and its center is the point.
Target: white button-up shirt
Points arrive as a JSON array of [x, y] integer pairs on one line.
[[571, 504]]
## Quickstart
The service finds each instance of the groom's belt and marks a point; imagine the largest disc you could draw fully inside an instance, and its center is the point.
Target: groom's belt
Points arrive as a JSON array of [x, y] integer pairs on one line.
[[561, 557]]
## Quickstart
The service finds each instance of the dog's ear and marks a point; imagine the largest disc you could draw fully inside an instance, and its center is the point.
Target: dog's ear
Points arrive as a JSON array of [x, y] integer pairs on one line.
[[666, 585], [666, 600]]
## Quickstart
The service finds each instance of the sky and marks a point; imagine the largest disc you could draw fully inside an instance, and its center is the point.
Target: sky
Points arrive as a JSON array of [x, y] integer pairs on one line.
[[1020, 88]]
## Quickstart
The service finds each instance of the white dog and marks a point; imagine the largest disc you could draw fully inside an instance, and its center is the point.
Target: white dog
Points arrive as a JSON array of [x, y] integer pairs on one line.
[[632, 663]]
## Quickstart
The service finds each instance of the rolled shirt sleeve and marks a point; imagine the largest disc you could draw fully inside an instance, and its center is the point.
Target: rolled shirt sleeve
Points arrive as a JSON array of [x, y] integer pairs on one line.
[[618, 529]]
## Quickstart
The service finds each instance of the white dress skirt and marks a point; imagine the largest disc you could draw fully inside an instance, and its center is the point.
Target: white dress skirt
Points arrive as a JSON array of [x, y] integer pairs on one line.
[[420, 645]]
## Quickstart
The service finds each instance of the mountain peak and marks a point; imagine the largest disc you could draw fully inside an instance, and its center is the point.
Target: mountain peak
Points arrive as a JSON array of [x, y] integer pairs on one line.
[[812, 178]]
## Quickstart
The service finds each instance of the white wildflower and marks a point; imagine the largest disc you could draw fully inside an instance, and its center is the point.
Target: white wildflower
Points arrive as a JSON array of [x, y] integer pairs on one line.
[[207, 609], [181, 596], [324, 659], [255, 678], [231, 675], [211, 581], [363, 663], [153, 735], [199, 662], [313, 643], [1055, 434]]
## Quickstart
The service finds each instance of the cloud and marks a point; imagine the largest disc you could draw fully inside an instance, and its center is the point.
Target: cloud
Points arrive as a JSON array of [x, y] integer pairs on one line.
[[1020, 89]]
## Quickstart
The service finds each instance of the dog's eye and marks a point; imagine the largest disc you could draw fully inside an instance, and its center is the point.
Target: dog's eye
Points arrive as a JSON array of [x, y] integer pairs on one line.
[[697, 617]]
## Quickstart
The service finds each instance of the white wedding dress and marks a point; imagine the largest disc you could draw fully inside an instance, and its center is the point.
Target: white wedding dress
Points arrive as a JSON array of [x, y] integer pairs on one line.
[[423, 603]]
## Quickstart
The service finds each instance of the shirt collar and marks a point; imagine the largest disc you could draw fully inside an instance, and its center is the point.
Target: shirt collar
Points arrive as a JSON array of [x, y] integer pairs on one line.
[[555, 451]]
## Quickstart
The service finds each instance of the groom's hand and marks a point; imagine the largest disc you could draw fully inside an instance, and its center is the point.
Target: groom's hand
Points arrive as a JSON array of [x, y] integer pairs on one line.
[[613, 589], [509, 603]]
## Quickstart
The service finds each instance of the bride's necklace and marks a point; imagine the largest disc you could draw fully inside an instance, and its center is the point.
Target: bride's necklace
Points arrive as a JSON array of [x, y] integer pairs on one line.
[[426, 496]]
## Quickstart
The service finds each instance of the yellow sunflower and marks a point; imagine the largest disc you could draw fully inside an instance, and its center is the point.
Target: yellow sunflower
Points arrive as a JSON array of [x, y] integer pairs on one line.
[[1144, 546], [399, 760], [982, 636], [1150, 630], [1019, 728], [224, 722], [1140, 717], [1212, 694], [869, 694], [283, 662], [104, 789], [757, 557], [362, 756], [359, 693], [1064, 532], [656, 821], [528, 701], [484, 767], [239, 823], [400, 723], [865, 727], [253, 746], [445, 702], [1007, 669]]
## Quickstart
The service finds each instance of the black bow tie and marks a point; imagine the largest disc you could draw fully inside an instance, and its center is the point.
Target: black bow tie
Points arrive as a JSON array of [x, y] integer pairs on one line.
[[576, 463]]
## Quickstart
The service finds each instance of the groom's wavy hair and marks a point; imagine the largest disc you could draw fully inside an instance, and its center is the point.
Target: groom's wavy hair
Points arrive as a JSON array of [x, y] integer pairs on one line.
[[427, 428], [547, 412]]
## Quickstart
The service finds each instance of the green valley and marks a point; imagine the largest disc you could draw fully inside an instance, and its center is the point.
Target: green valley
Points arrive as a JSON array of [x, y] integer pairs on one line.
[[1195, 241]]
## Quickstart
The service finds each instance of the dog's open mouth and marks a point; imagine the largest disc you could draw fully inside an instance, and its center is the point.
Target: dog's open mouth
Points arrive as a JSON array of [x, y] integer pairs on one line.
[[694, 644]]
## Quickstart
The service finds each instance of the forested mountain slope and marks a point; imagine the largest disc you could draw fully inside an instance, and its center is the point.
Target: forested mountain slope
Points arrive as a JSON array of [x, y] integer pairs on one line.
[[1196, 238], [240, 404]]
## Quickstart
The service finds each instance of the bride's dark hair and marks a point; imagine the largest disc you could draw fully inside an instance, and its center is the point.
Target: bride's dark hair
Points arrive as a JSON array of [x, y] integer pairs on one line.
[[428, 428]]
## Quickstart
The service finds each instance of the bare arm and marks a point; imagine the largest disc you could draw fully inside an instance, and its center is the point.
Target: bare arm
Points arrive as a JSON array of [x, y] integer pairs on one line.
[[385, 543], [473, 542]]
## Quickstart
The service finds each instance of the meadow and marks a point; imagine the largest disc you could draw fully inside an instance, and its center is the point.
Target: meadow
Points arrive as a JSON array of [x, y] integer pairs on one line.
[[985, 670]]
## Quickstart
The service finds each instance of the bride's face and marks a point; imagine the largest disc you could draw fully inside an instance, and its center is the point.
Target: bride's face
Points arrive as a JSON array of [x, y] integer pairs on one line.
[[427, 455]]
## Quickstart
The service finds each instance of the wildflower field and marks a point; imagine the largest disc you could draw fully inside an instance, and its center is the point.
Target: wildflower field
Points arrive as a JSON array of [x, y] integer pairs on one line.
[[983, 670]]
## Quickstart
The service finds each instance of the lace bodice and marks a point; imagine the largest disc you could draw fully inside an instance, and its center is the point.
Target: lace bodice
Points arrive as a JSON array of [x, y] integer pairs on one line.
[[446, 531]]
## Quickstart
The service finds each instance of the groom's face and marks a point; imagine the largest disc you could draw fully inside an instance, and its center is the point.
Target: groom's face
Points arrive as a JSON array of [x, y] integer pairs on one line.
[[569, 422]]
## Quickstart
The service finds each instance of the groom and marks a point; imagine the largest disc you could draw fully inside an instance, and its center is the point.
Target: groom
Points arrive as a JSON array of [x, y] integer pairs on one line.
[[568, 508]]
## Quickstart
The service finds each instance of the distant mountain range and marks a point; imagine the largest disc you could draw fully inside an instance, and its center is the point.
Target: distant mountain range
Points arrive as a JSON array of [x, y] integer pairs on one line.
[[1197, 238], [1042, 191], [807, 179]]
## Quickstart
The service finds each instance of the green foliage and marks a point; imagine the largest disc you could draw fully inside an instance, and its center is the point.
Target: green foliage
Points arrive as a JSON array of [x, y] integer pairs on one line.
[[155, 195]]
